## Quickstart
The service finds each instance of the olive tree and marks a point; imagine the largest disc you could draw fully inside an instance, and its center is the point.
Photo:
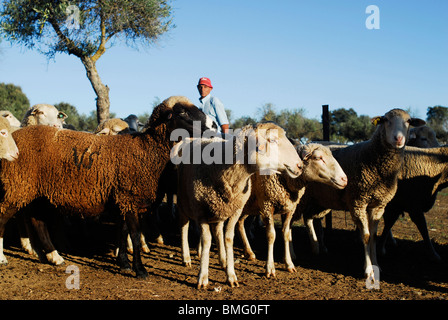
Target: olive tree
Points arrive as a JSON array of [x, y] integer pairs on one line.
[[85, 29]]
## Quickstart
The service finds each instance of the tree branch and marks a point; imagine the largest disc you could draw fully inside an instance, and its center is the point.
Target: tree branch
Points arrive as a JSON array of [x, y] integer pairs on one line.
[[102, 47], [71, 46]]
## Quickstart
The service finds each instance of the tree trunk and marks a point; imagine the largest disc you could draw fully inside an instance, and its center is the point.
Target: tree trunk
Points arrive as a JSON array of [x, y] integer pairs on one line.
[[101, 90]]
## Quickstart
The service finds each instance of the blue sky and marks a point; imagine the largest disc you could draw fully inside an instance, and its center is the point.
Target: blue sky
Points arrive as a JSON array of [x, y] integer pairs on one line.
[[294, 54]]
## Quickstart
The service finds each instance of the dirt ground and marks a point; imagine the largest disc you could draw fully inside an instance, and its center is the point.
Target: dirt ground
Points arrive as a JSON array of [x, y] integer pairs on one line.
[[406, 273]]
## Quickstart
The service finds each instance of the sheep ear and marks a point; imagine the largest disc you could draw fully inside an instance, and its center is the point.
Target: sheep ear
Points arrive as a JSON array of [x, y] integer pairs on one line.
[[105, 131], [416, 122], [377, 120], [118, 128], [305, 153]]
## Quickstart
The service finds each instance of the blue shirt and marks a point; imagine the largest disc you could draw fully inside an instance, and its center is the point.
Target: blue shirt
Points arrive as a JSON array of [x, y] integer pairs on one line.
[[214, 108]]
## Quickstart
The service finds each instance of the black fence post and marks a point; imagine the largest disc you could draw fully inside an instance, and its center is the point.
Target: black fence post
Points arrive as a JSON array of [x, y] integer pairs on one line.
[[326, 137]]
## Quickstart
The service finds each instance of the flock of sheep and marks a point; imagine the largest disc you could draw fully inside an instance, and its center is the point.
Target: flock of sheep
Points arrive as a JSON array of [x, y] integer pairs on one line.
[[126, 171]]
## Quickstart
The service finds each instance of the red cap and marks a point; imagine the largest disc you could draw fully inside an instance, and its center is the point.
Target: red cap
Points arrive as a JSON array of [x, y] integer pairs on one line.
[[205, 81]]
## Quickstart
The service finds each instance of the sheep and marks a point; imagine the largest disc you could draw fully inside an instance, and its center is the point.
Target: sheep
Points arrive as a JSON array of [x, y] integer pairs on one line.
[[10, 152], [8, 147], [423, 137], [112, 127], [215, 191], [133, 123], [84, 174], [372, 168], [13, 121], [116, 126], [423, 175], [45, 114], [281, 194]]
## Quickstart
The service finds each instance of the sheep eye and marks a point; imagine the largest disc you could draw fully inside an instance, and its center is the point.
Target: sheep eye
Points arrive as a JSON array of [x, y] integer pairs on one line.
[[4, 133]]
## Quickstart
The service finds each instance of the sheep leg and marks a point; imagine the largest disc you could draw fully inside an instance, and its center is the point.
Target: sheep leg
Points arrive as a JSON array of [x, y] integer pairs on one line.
[[419, 220], [132, 222], [206, 240], [44, 239], [3, 220], [287, 238], [359, 216], [314, 242], [270, 235], [184, 223], [320, 234], [122, 257], [246, 244], [229, 236], [372, 241], [24, 233], [390, 217], [219, 236]]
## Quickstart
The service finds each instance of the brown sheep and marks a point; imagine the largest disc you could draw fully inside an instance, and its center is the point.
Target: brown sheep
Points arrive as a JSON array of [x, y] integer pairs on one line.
[[84, 174]]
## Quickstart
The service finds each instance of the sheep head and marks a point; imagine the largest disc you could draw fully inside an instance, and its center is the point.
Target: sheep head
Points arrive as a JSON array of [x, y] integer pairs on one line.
[[269, 148], [394, 127], [321, 166], [8, 147], [178, 112]]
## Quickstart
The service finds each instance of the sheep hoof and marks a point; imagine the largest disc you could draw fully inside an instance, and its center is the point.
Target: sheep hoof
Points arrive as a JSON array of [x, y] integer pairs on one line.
[[234, 284], [270, 274], [187, 264], [250, 256], [202, 284], [145, 249], [292, 269], [142, 275], [159, 240]]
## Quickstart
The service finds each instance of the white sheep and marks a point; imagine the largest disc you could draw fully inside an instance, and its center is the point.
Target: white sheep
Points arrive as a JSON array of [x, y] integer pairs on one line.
[[211, 192], [372, 168], [280, 194], [13, 121], [112, 127], [10, 152], [44, 114]]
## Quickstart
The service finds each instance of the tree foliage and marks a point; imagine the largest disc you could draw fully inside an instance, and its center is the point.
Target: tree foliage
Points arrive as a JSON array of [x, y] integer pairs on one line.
[[437, 119], [346, 126], [294, 122], [13, 99], [85, 29]]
